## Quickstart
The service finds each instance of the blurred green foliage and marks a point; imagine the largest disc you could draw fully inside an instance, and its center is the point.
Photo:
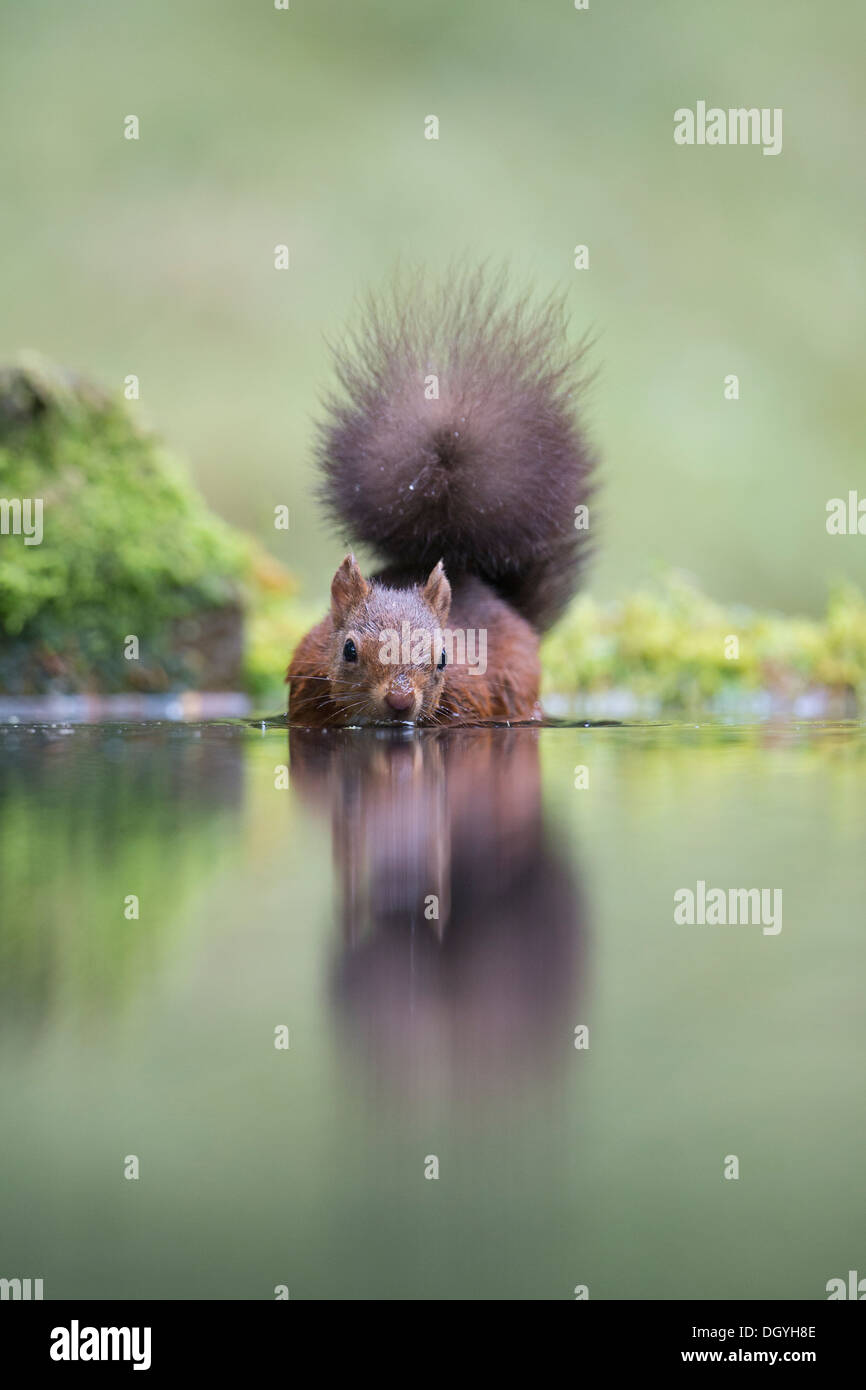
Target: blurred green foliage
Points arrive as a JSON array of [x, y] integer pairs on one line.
[[128, 540], [675, 647], [305, 127], [129, 548]]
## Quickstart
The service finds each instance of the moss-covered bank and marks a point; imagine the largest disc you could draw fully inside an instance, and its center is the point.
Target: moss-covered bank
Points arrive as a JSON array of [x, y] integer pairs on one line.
[[676, 649], [668, 646], [129, 549], [133, 584]]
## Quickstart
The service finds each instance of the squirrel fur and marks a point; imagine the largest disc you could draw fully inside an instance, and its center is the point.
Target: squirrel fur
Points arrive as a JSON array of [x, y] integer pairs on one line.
[[453, 450]]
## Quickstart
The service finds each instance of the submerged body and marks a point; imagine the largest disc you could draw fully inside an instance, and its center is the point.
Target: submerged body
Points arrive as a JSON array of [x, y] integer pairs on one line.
[[454, 452]]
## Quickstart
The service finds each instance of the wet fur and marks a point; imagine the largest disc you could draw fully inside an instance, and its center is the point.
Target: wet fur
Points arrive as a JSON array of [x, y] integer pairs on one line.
[[468, 500], [487, 477], [325, 693]]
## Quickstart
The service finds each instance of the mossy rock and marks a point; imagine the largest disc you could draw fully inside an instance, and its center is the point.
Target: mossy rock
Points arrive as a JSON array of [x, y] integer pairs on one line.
[[671, 644], [128, 549]]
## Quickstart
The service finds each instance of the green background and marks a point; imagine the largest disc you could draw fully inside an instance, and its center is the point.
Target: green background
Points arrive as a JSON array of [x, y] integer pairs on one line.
[[305, 127]]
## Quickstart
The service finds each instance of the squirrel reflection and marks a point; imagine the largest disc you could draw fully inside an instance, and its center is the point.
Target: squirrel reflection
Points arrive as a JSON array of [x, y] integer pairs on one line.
[[460, 920]]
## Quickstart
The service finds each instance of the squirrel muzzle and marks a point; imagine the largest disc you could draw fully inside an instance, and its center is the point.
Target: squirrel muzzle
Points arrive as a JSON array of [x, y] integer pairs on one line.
[[400, 697]]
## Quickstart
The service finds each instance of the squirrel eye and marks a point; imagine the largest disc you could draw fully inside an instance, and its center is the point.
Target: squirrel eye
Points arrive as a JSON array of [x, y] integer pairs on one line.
[[441, 665], [350, 651]]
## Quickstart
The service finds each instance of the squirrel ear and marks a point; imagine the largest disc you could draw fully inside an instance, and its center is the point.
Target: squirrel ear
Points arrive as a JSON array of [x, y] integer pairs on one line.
[[348, 588], [437, 592]]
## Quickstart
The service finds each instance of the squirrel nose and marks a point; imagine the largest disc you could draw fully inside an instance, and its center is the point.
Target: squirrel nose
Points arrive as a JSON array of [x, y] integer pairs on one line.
[[399, 698]]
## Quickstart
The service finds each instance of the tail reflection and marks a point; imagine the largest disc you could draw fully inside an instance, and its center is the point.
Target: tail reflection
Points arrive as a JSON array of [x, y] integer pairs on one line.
[[460, 921]]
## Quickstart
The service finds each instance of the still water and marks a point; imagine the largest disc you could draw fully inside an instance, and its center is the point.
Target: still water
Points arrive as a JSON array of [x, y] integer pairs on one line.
[[431, 916]]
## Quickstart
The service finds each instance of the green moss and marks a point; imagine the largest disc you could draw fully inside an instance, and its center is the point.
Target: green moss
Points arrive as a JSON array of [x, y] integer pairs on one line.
[[275, 627], [128, 547], [671, 645]]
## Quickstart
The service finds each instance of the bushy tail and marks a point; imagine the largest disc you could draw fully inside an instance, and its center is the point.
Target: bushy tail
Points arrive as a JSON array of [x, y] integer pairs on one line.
[[454, 434]]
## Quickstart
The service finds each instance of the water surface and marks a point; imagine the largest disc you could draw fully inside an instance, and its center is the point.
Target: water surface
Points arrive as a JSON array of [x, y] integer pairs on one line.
[[431, 916]]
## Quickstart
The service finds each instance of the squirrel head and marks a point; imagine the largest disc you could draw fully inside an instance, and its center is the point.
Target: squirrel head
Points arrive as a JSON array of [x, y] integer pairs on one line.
[[388, 658]]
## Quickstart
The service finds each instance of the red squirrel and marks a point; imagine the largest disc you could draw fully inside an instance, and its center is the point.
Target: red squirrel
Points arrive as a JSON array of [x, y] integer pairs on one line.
[[452, 449]]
